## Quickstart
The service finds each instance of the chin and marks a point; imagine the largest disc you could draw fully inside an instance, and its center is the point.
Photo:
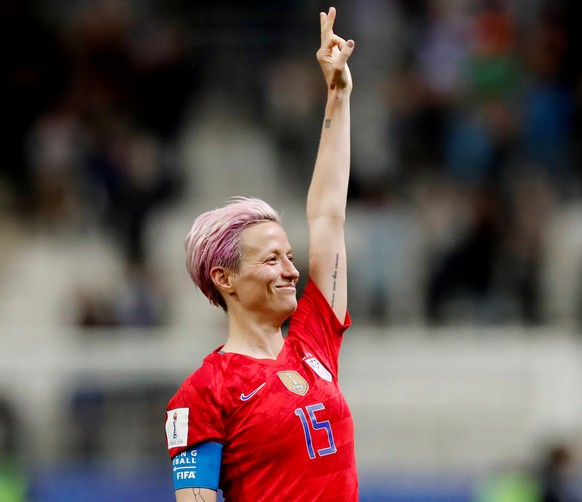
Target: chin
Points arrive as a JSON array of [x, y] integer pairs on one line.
[[293, 309], [290, 309], [287, 315]]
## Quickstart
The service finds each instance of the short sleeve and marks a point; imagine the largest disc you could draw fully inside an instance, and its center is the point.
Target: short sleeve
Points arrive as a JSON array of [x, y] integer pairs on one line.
[[315, 324], [194, 413]]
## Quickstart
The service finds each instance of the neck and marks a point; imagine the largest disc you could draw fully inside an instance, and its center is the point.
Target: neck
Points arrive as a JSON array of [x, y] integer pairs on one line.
[[254, 337]]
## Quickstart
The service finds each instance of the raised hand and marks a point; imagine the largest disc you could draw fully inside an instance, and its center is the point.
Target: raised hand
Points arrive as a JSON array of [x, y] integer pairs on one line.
[[334, 54]]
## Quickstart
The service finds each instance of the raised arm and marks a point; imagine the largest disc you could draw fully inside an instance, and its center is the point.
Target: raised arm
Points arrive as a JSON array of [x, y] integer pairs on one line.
[[326, 200]]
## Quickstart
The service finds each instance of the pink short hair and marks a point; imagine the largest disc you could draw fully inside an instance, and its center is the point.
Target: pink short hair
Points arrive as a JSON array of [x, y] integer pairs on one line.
[[215, 240]]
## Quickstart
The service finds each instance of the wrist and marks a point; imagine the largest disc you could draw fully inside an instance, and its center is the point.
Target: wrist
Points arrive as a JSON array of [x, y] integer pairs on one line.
[[338, 95]]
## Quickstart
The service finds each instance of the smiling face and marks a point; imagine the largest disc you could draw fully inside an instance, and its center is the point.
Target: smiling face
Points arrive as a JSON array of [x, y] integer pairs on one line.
[[267, 279]]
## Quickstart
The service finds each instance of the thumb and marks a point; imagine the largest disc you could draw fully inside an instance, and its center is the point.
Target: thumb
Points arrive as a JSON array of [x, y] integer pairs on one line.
[[346, 51]]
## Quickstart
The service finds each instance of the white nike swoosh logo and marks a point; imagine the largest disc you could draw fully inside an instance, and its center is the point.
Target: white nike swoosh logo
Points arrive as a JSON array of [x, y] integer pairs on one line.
[[246, 397]]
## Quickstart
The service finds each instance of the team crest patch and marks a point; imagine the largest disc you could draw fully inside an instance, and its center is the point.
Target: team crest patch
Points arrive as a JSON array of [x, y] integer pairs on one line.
[[177, 427], [319, 368], [294, 382]]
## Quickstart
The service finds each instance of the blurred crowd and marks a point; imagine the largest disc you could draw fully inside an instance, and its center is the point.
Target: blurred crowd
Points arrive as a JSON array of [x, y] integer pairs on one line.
[[94, 94], [466, 135], [483, 127]]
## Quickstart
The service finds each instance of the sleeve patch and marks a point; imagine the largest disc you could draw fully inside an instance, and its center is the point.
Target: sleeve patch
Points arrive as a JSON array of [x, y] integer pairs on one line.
[[177, 427], [198, 467]]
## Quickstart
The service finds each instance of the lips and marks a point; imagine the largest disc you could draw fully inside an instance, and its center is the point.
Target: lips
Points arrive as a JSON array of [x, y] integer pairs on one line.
[[290, 287]]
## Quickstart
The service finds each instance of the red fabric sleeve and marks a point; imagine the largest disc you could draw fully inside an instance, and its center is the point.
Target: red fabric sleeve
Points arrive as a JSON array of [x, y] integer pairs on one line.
[[194, 413], [315, 324]]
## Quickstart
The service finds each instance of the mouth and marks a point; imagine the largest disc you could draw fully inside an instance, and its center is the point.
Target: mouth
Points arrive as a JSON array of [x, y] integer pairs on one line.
[[286, 287]]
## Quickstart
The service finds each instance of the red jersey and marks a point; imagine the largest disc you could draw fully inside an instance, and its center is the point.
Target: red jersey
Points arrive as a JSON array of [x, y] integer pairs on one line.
[[286, 429]]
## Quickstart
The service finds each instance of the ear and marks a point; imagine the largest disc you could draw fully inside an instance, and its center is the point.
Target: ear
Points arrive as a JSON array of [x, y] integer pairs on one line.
[[221, 278]]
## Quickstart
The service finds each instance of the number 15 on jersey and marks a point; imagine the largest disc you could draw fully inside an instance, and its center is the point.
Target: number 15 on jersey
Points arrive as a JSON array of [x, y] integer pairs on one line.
[[309, 422]]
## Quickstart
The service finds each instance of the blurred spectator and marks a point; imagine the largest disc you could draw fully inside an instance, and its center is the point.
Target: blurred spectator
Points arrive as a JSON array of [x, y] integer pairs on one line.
[[461, 280], [548, 101], [53, 147], [93, 310], [560, 475], [528, 205], [128, 181], [137, 300]]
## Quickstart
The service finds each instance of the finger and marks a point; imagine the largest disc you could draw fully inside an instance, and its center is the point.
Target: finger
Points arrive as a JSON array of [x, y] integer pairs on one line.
[[326, 21], [336, 40], [325, 33], [331, 15], [346, 51]]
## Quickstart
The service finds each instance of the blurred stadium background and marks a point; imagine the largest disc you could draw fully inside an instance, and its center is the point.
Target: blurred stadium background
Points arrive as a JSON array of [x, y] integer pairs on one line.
[[123, 119]]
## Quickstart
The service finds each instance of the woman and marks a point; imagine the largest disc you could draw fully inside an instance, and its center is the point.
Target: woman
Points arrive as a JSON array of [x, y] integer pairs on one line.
[[263, 418]]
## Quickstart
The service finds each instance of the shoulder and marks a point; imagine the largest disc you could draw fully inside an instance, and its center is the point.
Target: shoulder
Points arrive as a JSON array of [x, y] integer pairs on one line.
[[206, 381], [194, 414]]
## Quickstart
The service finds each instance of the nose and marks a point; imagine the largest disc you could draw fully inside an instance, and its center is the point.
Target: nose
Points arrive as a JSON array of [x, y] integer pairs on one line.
[[289, 270]]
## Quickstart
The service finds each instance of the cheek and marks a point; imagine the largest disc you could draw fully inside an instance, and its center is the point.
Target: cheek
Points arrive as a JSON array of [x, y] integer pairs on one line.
[[260, 278]]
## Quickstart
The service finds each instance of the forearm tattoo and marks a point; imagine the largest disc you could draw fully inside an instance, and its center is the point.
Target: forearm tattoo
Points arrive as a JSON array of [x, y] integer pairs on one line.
[[334, 280], [327, 123], [198, 497]]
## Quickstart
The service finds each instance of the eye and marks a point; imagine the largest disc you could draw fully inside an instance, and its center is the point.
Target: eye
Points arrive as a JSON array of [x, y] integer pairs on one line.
[[271, 259], [290, 257]]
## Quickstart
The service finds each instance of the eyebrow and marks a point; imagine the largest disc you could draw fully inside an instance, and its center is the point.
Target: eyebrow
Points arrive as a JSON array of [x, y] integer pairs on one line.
[[268, 251], [276, 251]]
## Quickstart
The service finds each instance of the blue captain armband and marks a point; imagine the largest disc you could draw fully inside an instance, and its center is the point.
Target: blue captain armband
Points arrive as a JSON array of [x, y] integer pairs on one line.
[[198, 467]]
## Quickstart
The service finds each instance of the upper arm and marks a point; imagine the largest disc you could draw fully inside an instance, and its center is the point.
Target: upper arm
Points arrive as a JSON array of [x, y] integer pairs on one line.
[[328, 262], [196, 472], [195, 495]]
